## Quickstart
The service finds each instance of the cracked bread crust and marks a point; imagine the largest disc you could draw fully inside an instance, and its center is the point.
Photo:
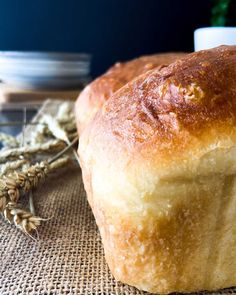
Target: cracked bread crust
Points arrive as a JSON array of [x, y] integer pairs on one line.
[[97, 93]]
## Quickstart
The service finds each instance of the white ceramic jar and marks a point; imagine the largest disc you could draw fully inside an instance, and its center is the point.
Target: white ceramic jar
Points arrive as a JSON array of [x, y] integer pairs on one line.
[[205, 38]]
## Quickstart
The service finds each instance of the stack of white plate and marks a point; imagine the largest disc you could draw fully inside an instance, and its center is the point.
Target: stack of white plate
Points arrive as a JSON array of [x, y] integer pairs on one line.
[[44, 70]]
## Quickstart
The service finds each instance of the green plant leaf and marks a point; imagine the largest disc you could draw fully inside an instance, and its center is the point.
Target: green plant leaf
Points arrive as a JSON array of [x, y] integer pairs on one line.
[[219, 12]]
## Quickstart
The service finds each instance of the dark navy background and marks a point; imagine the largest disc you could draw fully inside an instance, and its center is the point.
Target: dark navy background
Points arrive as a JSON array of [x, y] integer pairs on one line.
[[110, 30]]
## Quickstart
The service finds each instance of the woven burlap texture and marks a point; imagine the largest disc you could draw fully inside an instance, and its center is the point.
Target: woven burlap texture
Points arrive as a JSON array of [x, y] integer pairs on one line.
[[69, 257]]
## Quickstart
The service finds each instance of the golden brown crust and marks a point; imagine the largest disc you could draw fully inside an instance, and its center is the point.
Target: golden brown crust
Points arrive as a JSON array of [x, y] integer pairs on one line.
[[95, 94], [159, 168], [176, 104]]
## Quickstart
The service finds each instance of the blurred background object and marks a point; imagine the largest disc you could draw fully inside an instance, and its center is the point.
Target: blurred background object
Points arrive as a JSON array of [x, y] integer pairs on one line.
[[223, 26], [223, 13], [33, 76], [44, 70], [108, 30]]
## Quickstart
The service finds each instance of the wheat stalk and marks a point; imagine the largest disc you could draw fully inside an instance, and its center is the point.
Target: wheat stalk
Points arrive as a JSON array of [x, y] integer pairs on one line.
[[14, 184], [64, 122], [70, 127], [8, 140], [55, 128], [48, 147], [23, 219], [41, 132], [60, 126], [17, 184], [11, 166], [38, 135], [65, 113], [58, 132]]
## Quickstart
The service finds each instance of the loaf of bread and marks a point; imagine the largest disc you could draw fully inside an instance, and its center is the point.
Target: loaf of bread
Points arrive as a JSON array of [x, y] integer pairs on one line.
[[95, 94], [159, 168]]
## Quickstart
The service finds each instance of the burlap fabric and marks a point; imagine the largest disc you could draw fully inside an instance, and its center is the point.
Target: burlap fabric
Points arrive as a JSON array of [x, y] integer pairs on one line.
[[69, 257]]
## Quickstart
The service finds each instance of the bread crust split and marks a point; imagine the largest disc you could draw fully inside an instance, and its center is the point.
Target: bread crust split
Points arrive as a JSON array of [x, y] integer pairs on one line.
[[159, 169], [98, 92]]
